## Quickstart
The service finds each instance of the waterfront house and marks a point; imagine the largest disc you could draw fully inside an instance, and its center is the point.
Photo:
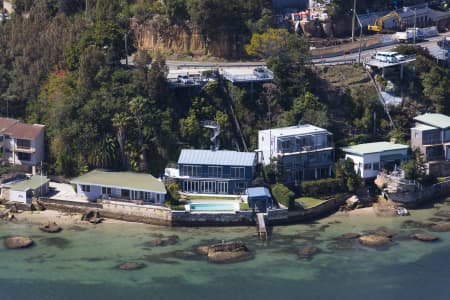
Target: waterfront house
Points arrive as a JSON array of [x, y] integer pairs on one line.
[[121, 186], [305, 152], [21, 144], [371, 158], [24, 189], [259, 198], [214, 171], [431, 136]]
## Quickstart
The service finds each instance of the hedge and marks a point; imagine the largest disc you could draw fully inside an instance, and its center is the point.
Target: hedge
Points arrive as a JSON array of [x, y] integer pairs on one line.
[[321, 187]]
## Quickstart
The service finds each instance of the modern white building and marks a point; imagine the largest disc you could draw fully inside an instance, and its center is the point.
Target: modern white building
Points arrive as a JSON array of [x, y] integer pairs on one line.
[[20, 143], [23, 190], [371, 158], [120, 186], [304, 151]]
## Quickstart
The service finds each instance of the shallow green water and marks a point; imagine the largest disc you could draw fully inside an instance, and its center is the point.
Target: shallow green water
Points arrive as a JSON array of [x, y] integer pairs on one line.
[[80, 262]]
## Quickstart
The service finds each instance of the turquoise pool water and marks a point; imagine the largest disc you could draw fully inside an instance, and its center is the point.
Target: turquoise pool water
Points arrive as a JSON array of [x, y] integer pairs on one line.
[[212, 206]]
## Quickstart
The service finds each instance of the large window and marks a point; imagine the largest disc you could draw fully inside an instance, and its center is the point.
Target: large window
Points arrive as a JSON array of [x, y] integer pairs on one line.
[[190, 170], [23, 144], [24, 156], [214, 171], [85, 188], [376, 166], [237, 172], [125, 193], [106, 191], [368, 166]]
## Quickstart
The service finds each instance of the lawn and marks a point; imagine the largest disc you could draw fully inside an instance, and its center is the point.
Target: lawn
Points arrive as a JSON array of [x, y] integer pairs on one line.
[[309, 202], [244, 206]]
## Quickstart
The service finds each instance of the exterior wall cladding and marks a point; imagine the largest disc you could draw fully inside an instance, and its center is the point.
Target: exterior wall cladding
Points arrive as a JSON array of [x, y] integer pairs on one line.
[[305, 152], [434, 144], [215, 179]]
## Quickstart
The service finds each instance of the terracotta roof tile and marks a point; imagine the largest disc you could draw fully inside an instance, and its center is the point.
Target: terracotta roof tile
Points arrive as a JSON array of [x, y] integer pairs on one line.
[[5, 123], [25, 131]]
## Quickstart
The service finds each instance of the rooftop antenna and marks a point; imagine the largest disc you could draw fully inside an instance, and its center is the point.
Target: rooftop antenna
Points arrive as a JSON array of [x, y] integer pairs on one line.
[[215, 132]]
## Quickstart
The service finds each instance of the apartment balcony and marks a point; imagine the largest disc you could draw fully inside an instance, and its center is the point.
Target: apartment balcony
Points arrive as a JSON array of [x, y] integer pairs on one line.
[[25, 149]]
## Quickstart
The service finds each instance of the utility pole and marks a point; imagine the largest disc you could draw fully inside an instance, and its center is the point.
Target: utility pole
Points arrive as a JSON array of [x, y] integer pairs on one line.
[[414, 36], [353, 20], [126, 48], [360, 39]]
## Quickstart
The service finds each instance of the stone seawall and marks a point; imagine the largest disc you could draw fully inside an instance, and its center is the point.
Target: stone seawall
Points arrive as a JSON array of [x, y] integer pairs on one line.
[[160, 215], [240, 218], [323, 209], [150, 214]]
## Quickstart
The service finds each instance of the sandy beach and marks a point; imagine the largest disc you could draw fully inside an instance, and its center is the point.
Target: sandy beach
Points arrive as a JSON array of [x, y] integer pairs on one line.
[[50, 216]]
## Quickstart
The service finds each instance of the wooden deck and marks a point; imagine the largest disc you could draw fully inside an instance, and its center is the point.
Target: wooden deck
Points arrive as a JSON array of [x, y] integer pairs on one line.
[[261, 226]]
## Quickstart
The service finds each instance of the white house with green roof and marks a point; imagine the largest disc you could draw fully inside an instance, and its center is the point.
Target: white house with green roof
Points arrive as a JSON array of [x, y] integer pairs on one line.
[[25, 189], [126, 186], [371, 158]]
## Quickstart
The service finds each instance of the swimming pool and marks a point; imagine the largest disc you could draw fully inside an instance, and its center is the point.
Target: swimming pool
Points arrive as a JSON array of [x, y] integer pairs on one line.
[[213, 207]]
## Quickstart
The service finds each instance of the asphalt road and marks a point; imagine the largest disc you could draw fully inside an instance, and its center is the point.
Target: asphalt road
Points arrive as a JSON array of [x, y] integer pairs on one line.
[[188, 64], [429, 43]]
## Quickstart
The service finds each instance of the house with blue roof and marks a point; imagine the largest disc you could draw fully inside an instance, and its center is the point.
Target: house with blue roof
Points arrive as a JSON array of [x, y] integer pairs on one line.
[[259, 198], [214, 171]]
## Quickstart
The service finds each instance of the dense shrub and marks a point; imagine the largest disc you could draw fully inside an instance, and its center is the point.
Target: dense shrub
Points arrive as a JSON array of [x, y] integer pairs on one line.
[[283, 195], [321, 187]]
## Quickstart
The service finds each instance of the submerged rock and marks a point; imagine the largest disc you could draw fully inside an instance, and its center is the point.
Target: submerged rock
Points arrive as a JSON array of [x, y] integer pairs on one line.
[[309, 235], [58, 242], [373, 240], [17, 242], [441, 227], [50, 228], [350, 236], [414, 224], [425, 237], [383, 231], [308, 252], [128, 266], [443, 213], [160, 242]]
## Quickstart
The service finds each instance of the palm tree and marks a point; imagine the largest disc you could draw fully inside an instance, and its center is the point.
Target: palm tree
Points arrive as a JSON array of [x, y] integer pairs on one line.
[[120, 122]]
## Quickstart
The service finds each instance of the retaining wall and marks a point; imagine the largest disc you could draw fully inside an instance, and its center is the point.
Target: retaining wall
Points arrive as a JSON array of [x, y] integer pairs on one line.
[[160, 215]]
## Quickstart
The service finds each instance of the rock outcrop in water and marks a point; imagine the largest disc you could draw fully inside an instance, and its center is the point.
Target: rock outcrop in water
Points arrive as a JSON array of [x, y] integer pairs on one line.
[[17, 242], [226, 252], [92, 216], [441, 227], [373, 240], [129, 266], [424, 237], [308, 252], [50, 228]]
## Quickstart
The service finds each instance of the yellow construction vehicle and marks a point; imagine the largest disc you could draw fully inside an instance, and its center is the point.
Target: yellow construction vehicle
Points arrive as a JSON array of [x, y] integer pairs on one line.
[[378, 25]]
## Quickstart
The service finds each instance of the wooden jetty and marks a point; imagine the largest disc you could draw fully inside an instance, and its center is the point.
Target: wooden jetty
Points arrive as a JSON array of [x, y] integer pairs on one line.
[[261, 226]]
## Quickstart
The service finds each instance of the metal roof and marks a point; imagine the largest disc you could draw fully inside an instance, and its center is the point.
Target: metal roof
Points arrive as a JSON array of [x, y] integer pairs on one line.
[[436, 120], [423, 127], [376, 147], [32, 183], [304, 129], [123, 180], [218, 157], [256, 192]]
